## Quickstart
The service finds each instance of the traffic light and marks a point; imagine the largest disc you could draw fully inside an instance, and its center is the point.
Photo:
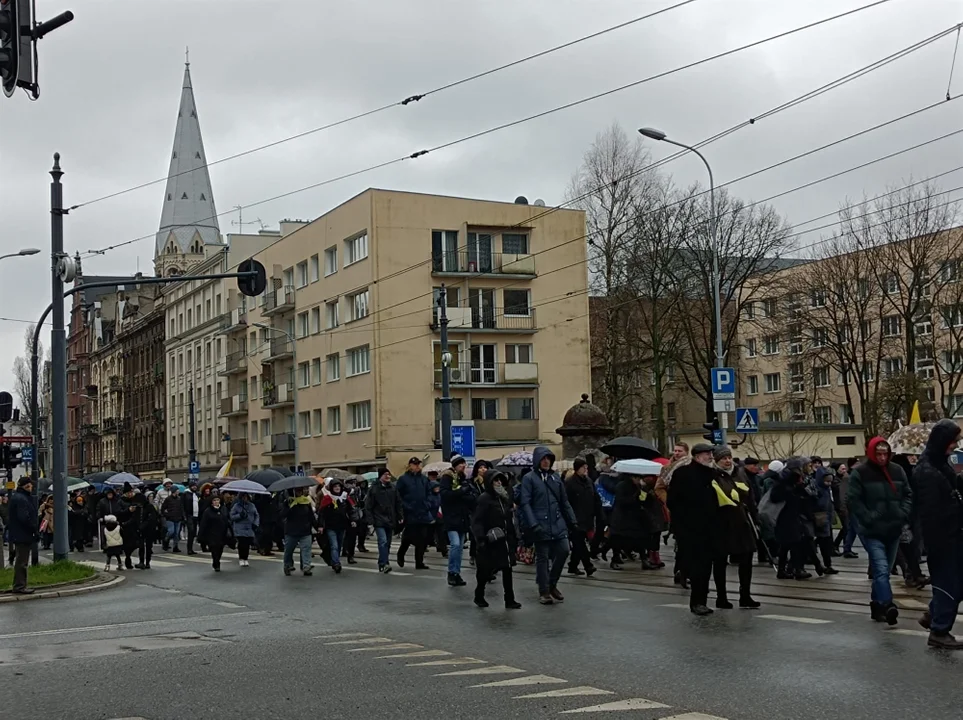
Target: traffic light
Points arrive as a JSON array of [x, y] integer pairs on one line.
[[9, 45], [14, 457], [19, 33], [252, 285], [712, 429], [6, 407]]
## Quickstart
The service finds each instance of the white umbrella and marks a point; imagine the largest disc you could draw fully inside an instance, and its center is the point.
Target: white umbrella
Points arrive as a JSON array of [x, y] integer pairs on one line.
[[78, 485], [244, 486], [637, 467], [120, 478]]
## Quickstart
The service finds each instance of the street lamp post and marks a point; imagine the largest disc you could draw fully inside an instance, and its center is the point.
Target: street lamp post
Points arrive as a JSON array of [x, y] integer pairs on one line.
[[654, 134], [294, 391], [21, 253]]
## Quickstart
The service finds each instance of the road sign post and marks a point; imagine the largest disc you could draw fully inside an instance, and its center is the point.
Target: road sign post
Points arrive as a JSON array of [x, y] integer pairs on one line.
[[194, 470], [463, 439], [747, 420], [723, 382]]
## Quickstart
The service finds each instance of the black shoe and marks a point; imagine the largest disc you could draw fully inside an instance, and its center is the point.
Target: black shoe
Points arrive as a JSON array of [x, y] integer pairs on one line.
[[802, 575], [723, 605], [590, 571], [452, 580], [891, 613], [481, 602], [444, 554], [176, 549], [362, 549], [783, 575], [471, 561], [128, 565], [422, 566], [830, 570], [925, 620], [352, 561], [837, 553], [850, 555], [401, 560], [217, 568], [337, 569], [191, 552], [700, 610], [614, 566], [140, 566], [512, 605], [944, 641], [575, 572], [876, 612], [288, 571], [385, 569], [147, 566], [460, 580], [749, 604]]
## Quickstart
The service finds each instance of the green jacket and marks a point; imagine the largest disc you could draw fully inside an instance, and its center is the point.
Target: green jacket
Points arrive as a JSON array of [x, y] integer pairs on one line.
[[881, 508]]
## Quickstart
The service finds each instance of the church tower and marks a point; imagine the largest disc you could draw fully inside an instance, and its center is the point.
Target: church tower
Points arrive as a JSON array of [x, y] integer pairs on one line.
[[188, 225]]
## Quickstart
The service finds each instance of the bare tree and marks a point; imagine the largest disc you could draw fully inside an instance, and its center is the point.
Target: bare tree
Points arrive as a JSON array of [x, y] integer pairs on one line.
[[21, 378]]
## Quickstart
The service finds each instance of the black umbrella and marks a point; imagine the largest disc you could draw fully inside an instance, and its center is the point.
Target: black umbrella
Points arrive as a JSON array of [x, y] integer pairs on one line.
[[264, 477], [285, 472], [292, 482], [100, 477], [630, 448]]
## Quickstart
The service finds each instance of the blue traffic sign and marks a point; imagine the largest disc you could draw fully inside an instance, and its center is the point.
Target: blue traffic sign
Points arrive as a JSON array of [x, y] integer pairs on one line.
[[26, 454], [723, 383], [194, 467], [463, 440], [299, 472], [747, 420]]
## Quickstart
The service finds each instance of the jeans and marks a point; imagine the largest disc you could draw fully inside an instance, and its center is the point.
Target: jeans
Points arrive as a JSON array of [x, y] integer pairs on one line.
[[882, 555], [850, 528], [456, 545], [336, 540], [303, 544], [550, 557], [946, 572], [384, 545], [173, 532]]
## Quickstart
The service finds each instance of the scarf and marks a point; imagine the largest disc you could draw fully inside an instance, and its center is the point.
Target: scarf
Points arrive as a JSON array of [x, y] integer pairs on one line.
[[299, 500]]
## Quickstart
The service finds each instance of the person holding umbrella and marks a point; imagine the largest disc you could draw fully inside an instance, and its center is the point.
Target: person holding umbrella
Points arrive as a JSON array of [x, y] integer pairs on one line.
[[300, 524], [245, 521]]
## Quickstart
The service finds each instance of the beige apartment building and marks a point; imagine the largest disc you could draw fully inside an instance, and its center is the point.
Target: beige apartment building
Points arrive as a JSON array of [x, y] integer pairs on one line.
[[340, 361]]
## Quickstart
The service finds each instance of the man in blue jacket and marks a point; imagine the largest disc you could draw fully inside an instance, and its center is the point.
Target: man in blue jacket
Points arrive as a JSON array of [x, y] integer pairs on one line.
[[22, 530], [548, 515], [413, 488]]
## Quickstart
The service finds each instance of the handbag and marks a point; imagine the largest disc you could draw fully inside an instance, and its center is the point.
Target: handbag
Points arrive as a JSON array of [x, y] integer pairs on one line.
[[496, 534], [769, 511]]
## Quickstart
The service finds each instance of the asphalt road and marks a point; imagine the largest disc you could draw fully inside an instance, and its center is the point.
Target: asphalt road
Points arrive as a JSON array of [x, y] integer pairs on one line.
[[180, 642]]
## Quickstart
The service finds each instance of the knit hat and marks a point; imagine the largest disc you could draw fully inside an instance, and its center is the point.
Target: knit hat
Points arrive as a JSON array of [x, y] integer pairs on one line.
[[24, 480], [702, 448], [457, 460], [127, 488], [721, 451], [777, 466]]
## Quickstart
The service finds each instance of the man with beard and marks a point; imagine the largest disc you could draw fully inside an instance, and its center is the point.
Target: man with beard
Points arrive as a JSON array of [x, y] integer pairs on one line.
[[693, 504]]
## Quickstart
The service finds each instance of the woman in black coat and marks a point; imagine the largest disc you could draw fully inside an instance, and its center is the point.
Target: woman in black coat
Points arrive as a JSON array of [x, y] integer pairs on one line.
[[493, 528], [630, 527], [734, 534], [215, 531], [790, 488]]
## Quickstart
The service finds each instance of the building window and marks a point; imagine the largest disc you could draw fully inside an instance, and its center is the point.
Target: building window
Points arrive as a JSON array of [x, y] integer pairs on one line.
[[316, 421], [817, 298], [515, 243], [331, 261], [822, 415], [752, 386], [288, 276], [358, 360], [316, 371], [797, 411], [750, 310], [923, 326], [521, 408], [333, 361], [845, 439], [357, 305], [820, 337], [484, 409], [355, 249], [774, 416], [893, 366], [770, 345], [332, 314], [334, 420], [266, 430], [517, 302], [797, 382], [304, 374], [304, 424], [770, 308], [670, 412], [302, 273], [950, 270], [315, 319], [867, 371], [795, 340], [302, 325], [845, 414], [952, 315], [891, 326], [254, 436], [359, 415], [891, 284], [751, 347], [773, 384], [315, 263], [821, 376], [518, 354]]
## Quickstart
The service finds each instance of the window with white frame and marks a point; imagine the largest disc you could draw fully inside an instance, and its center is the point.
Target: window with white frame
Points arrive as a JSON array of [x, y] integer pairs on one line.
[[752, 385], [315, 272], [316, 420], [820, 337], [302, 326], [774, 416], [951, 315], [357, 305], [822, 414], [359, 415], [333, 362], [301, 273], [867, 371], [770, 345], [751, 347], [316, 371], [331, 261], [288, 276], [518, 353], [797, 411], [797, 380], [304, 375], [517, 302], [304, 424], [254, 436], [951, 270], [865, 329], [892, 366], [315, 319], [892, 326], [355, 249], [843, 335], [484, 408], [952, 360], [773, 383], [890, 284], [795, 340], [845, 413], [515, 243], [521, 408], [793, 307], [770, 308], [817, 298], [332, 314], [334, 420], [821, 376], [266, 429], [358, 360], [750, 310]]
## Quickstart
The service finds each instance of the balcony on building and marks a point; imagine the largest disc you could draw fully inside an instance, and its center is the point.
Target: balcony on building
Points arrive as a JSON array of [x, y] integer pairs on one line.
[[279, 348], [233, 321], [282, 444], [487, 319], [115, 424], [88, 430], [234, 405], [92, 391], [234, 362], [237, 448], [514, 375], [278, 301], [279, 396], [469, 263]]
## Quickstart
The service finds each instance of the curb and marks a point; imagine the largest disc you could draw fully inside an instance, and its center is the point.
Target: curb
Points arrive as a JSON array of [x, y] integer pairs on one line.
[[105, 582]]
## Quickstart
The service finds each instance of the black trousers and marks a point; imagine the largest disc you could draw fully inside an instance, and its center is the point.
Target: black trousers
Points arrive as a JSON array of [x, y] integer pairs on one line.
[[216, 552], [484, 575], [145, 551], [580, 551], [599, 538], [21, 559], [792, 556], [416, 535], [191, 524], [719, 565], [825, 545], [244, 548], [698, 569]]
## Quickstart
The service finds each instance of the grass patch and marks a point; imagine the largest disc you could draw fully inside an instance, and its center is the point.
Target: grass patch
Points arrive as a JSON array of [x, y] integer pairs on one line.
[[48, 574]]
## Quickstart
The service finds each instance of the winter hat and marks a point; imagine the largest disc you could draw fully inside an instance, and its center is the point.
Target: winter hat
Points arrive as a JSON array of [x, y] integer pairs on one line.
[[110, 519], [457, 460], [702, 448], [751, 461], [777, 466], [127, 488], [24, 480], [721, 451]]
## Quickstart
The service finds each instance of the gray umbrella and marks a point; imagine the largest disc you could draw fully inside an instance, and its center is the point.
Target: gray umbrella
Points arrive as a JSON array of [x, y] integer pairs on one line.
[[264, 477], [292, 482], [336, 473], [286, 472]]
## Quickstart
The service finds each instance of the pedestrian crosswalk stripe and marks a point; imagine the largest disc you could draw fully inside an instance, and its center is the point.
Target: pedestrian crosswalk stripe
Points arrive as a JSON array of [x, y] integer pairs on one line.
[[567, 692], [419, 654], [362, 641], [490, 670], [682, 606], [520, 681], [99, 565], [228, 604], [613, 599], [791, 618], [453, 661], [630, 704], [332, 636], [914, 633], [694, 716], [375, 571], [396, 646]]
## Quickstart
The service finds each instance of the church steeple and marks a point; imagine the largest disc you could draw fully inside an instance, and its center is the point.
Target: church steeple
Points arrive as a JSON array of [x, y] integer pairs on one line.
[[189, 219]]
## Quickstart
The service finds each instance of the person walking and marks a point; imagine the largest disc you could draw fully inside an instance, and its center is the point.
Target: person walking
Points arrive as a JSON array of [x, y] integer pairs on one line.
[[939, 507], [493, 529], [337, 515], [821, 488], [46, 516], [172, 510], [630, 527], [151, 527], [214, 530], [790, 531], [692, 501], [300, 524], [458, 498], [22, 531], [76, 522], [383, 508], [735, 537], [414, 489], [245, 521], [192, 511], [587, 506], [880, 498], [548, 515]]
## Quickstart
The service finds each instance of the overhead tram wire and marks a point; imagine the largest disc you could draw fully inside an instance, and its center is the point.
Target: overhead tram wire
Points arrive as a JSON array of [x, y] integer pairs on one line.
[[514, 123], [400, 103]]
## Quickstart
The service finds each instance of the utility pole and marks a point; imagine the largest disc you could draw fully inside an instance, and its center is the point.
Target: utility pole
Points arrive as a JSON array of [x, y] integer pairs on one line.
[[58, 353], [445, 375], [190, 425]]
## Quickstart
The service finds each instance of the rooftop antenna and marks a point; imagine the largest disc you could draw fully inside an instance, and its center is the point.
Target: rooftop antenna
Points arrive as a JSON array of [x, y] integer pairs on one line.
[[240, 219]]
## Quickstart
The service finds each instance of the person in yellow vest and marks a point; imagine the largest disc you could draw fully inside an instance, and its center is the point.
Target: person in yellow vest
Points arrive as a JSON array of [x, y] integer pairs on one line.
[[735, 536]]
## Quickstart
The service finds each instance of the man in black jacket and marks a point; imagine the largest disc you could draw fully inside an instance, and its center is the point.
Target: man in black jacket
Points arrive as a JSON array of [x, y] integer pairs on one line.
[[172, 510], [458, 498], [300, 524], [587, 506], [22, 530], [413, 488], [940, 508], [382, 505]]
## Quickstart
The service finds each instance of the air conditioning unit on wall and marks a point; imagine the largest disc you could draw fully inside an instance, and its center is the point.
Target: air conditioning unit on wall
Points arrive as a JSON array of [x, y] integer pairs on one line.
[[456, 375]]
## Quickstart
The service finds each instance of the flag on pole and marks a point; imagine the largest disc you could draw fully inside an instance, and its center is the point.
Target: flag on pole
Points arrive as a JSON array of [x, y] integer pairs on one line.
[[226, 467], [915, 415]]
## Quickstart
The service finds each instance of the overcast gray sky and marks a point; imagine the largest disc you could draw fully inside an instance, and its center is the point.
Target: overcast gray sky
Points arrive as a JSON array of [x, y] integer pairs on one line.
[[110, 83]]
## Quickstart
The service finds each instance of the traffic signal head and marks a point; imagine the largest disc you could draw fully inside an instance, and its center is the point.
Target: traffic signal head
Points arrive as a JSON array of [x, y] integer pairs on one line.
[[712, 428], [9, 45], [254, 284], [14, 457], [6, 406]]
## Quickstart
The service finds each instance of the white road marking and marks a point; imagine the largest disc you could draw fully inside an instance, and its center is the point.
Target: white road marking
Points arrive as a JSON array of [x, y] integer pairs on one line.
[[362, 641], [396, 646], [375, 571], [914, 633], [228, 604], [612, 599], [567, 692], [332, 636], [99, 565], [520, 681], [619, 705], [95, 628], [490, 670], [694, 716], [791, 618], [420, 654], [172, 591], [454, 661], [682, 606]]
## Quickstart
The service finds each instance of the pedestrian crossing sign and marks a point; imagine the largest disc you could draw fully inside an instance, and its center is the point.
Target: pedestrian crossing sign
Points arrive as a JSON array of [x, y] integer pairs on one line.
[[747, 420]]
